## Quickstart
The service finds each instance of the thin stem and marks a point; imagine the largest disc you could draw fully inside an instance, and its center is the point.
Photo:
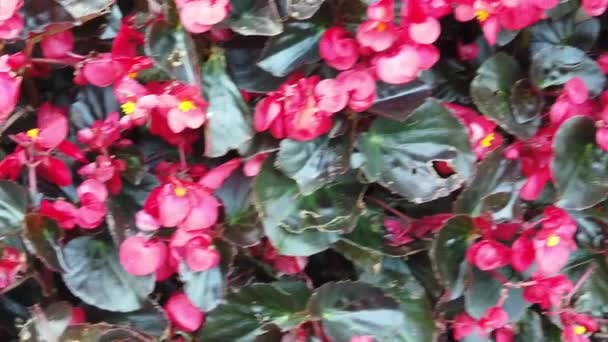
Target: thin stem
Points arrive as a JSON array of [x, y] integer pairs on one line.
[[580, 282], [51, 61], [32, 181], [316, 326], [11, 119], [182, 158], [387, 207]]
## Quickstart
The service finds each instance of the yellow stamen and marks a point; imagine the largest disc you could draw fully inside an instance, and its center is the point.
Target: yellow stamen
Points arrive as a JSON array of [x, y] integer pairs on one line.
[[180, 191], [381, 27], [132, 75], [186, 106], [553, 240], [579, 329], [128, 107], [482, 15], [33, 133], [487, 140]]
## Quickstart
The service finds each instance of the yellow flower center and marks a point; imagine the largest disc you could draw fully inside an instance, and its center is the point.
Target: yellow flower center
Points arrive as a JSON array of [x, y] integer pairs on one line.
[[381, 27], [482, 15], [180, 191], [579, 329], [553, 241], [33, 133], [132, 75], [128, 107], [487, 140], [186, 106]]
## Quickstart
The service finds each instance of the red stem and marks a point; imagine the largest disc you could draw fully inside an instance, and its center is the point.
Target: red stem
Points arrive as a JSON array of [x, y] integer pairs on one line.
[[389, 208], [580, 282], [182, 158]]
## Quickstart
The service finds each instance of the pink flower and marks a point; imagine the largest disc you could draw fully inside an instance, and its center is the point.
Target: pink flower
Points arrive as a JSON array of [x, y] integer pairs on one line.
[[102, 134], [489, 255], [361, 88], [140, 256], [480, 129], [362, 338], [595, 8], [400, 66], [57, 45], [105, 170], [254, 165], [10, 86], [62, 212], [547, 291], [493, 319], [195, 248], [338, 48], [464, 325], [377, 35], [11, 22], [467, 52], [522, 255], [199, 16], [601, 137], [554, 242], [577, 327], [11, 263], [182, 314]]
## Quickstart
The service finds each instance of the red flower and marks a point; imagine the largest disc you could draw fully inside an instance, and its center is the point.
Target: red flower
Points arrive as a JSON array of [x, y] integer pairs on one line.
[[493, 319], [401, 234], [489, 255], [554, 242], [481, 130], [57, 45], [199, 16], [522, 255], [547, 291], [338, 48], [467, 52], [182, 314], [11, 22], [284, 264], [577, 327], [102, 134], [464, 325], [195, 248], [11, 263], [595, 8], [105, 170], [10, 85], [361, 89], [140, 256]]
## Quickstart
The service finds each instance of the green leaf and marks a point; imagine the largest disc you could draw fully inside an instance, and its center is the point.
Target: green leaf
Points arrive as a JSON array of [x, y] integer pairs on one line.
[[349, 309], [253, 309], [228, 116], [448, 253], [150, 319], [303, 225], [297, 46], [92, 103], [13, 203], [491, 92], [400, 155], [301, 10], [569, 30], [247, 75], [41, 237], [556, 65], [205, 289], [173, 51], [47, 324], [61, 14], [494, 188], [93, 273], [254, 17], [397, 281], [313, 164], [579, 166], [397, 102], [592, 297], [531, 328], [102, 332], [450, 80], [526, 104]]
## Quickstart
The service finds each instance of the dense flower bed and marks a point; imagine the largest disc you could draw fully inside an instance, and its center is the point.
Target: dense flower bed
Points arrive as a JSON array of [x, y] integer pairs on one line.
[[303, 170]]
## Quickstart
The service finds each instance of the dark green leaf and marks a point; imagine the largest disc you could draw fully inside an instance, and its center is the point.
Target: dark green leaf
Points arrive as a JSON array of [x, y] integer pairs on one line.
[[151, 319], [205, 289], [555, 65], [228, 116], [400, 155], [173, 51], [92, 103], [482, 294], [349, 309], [255, 17], [495, 176], [41, 237], [251, 310], [448, 253], [491, 92], [94, 274], [312, 164], [364, 258], [579, 166], [297, 46], [61, 14], [397, 281], [450, 80], [235, 194], [526, 105], [398, 101], [102, 332], [592, 297], [568, 30], [48, 324], [13, 203], [302, 9]]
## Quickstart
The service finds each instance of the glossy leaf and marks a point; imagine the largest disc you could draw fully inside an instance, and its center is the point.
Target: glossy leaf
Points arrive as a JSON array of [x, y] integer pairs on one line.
[[253, 17], [448, 253], [251, 310], [41, 237], [228, 116], [579, 165], [397, 102], [205, 289], [554, 66], [150, 319], [94, 274], [400, 156], [301, 10], [297, 46], [13, 203], [491, 92], [580, 32], [312, 164]]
